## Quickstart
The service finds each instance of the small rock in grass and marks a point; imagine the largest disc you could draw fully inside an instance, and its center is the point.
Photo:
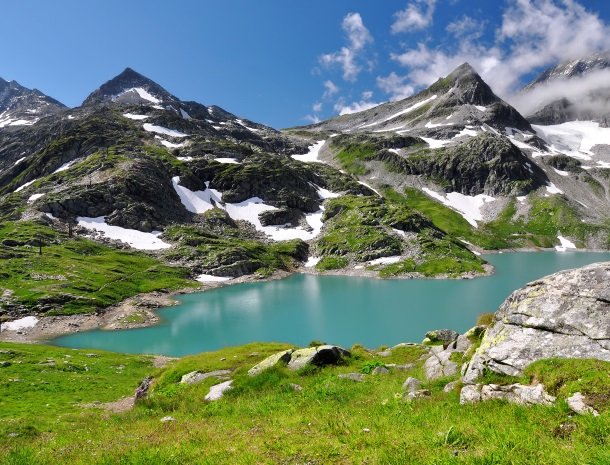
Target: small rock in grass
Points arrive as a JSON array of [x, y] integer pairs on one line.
[[5, 364], [411, 384], [296, 387], [576, 402], [92, 355], [358, 377], [167, 418], [218, 390], [366, 430], [195, 377], [385, 353], [380, 371], [405, 367], [411, 396], [450, 386]]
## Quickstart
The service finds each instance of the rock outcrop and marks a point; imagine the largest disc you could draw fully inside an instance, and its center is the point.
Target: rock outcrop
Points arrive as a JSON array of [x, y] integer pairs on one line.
[[565, 315], [513, 393]]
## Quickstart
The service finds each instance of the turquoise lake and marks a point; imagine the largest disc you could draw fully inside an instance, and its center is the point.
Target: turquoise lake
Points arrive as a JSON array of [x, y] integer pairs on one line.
[[335, 309]]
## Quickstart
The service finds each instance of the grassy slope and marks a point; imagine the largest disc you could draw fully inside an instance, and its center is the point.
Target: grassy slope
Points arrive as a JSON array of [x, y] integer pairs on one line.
[[548, 217], [79, 273], [264, 420]]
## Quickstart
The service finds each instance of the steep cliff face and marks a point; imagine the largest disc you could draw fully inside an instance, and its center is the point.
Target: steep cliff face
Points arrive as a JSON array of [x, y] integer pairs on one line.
[[565, 315]]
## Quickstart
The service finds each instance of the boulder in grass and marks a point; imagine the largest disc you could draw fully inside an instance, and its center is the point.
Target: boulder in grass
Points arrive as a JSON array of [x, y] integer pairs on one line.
[[442, 336], [319, 356], [218, 390], [271, 361], [195, 377], [513, 393]]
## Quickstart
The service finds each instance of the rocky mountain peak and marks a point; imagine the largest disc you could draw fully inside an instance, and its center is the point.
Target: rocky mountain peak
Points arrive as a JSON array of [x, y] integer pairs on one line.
[[22, 106], [469, 88], [130, 87]]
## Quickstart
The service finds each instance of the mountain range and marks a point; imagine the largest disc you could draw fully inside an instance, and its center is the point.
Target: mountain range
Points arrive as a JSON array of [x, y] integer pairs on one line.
[[414, 187]]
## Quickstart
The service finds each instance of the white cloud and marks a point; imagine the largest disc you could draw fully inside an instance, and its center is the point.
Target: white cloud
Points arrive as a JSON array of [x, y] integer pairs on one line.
[[578, 90], [330, 89], [417, 15], [467, 28], [533, 34], [317, 107], [314, 119], [395, 86], [358, 37], [363, 104]]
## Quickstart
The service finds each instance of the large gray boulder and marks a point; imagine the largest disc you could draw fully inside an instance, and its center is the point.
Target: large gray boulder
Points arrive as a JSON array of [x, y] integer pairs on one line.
[[564, 315], [319, 356]]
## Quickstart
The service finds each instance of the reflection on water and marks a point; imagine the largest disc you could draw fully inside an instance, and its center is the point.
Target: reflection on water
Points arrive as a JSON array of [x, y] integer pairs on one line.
[[335, 309]]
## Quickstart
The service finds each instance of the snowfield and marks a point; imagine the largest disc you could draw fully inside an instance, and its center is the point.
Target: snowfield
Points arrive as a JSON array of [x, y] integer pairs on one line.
[[208, 278], [18, 325], [565, 244], [196, 201], [136, 239], [574, 138], [312, 155]]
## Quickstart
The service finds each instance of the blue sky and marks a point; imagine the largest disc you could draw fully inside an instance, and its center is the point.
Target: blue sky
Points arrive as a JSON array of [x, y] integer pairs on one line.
[[285, 63]]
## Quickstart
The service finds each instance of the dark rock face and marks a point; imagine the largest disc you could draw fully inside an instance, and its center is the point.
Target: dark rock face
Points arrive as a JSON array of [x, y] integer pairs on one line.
[[141, 198], [283, 216], [486, 164], [563, 315]]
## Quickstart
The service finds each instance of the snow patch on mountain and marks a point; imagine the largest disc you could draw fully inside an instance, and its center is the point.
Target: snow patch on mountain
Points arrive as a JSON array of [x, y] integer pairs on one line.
[[565, 244], [313, 154], [466, 205], [136, 239], [135, 117], [197, 201], [161, 130]]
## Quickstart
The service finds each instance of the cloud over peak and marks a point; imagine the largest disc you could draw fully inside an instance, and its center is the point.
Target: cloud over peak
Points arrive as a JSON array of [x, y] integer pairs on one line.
[[348, 57]]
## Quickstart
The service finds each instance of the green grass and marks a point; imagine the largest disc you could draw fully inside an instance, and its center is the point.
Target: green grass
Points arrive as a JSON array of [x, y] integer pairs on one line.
[[331, 262], [352, 158], [45, 386], [75, 275], [264, 420]]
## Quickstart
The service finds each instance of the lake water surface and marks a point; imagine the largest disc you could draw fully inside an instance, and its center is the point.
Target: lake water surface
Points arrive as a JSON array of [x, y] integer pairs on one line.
[[335, 309]]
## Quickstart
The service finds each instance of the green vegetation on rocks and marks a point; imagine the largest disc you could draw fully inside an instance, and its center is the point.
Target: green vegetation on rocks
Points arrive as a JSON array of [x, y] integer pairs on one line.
[[218, 247], [360, 229]]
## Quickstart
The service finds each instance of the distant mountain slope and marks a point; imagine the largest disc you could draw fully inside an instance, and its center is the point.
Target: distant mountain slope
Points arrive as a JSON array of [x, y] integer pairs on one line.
[[22, 106], [460, 100], [573, 90]]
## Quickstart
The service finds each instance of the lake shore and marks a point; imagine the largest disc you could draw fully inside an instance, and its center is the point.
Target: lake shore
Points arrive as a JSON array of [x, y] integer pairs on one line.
[[141, 310]]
